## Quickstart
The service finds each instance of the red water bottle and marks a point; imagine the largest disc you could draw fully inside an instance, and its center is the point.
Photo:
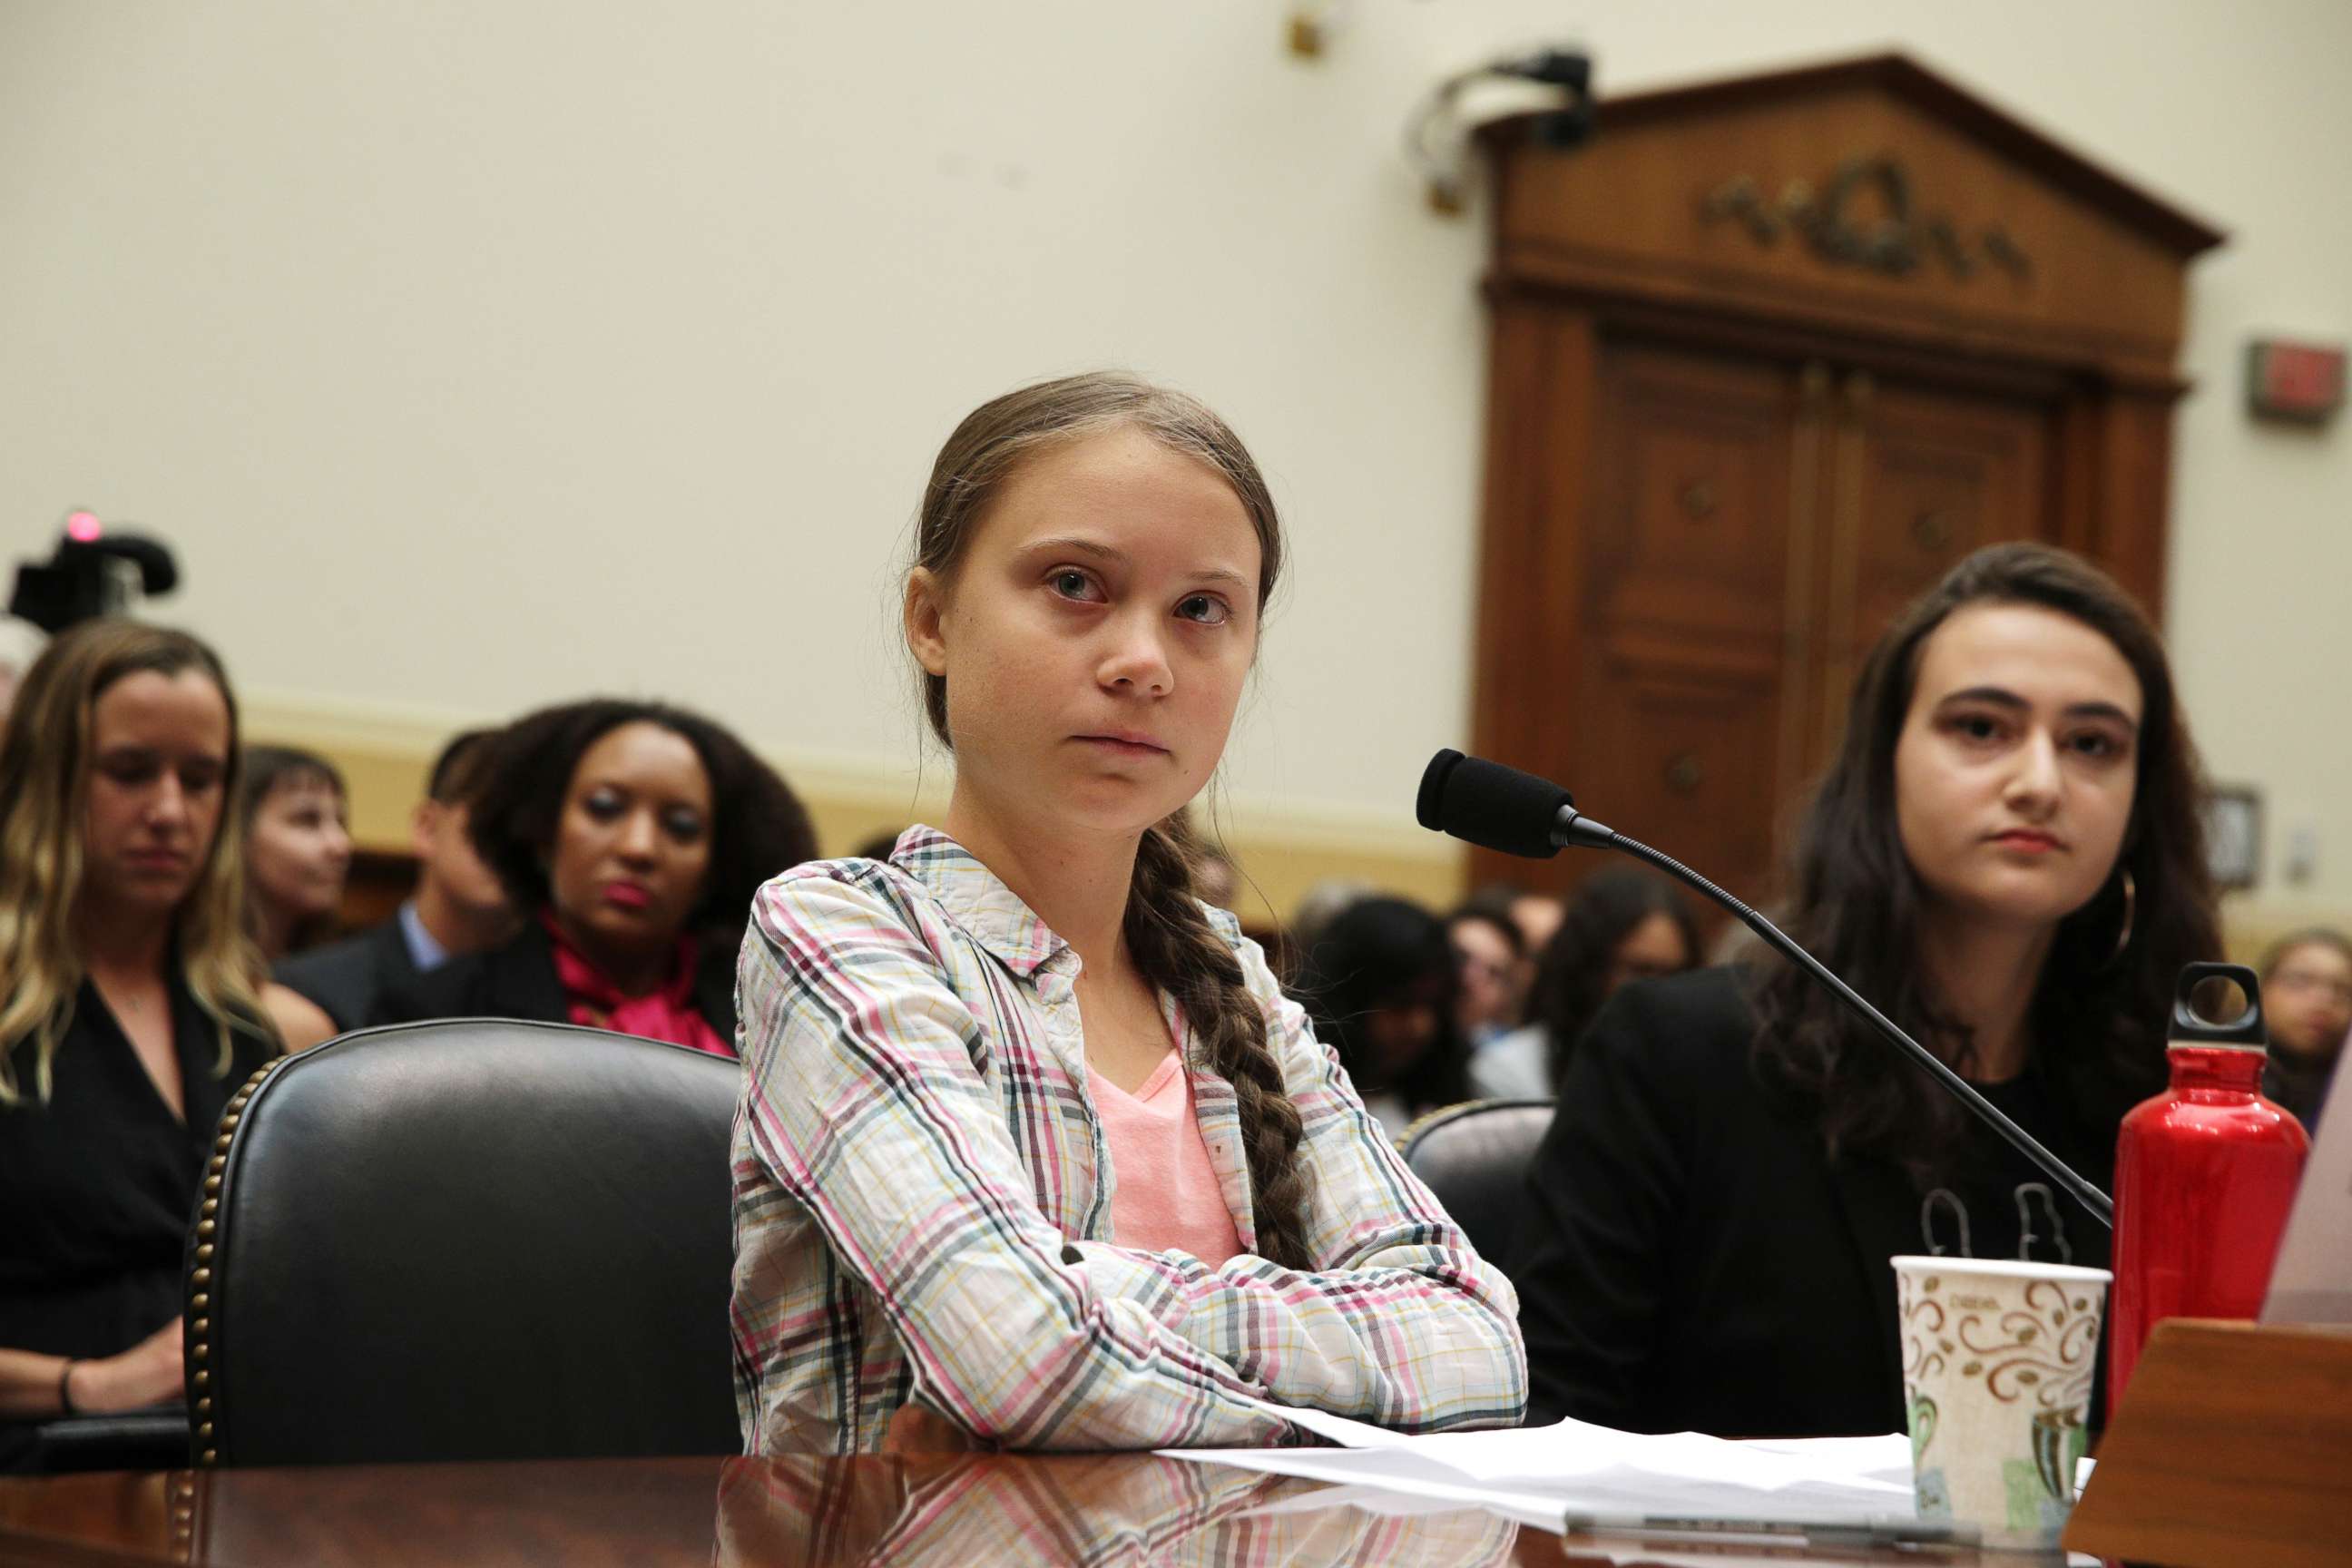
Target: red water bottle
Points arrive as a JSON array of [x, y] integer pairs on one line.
[[2205, 1174]]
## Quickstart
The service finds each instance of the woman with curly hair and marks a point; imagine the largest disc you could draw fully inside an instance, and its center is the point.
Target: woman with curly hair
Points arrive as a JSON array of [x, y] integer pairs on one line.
[[634, 835]]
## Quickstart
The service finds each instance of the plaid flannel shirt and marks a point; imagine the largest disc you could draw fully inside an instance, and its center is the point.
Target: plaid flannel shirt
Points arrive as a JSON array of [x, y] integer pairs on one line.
[[922, 1202]]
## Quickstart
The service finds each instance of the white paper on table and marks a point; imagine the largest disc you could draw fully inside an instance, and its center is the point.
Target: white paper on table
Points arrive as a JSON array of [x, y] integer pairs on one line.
[[1405, 1505], [1538, 1473]]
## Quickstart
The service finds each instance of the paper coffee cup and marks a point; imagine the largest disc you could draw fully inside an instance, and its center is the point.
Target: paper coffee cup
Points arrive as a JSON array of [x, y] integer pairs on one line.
[[1997, 1359]]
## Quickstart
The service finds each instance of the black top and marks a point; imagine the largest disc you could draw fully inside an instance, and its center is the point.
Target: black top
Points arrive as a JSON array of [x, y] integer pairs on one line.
[[101, 1181], [519, 981], [348, 978], [2300, 1084], [1691, 1258]]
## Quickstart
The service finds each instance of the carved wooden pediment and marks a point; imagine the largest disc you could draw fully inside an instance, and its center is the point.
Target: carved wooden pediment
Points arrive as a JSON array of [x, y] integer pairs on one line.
[[1871, 191]]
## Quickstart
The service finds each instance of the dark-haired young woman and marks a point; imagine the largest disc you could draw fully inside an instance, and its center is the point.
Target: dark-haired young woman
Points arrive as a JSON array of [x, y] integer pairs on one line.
[[634, 835], [1032, 1148], [1622, 924], [297, 846], [1382, 985], [2006, 857]]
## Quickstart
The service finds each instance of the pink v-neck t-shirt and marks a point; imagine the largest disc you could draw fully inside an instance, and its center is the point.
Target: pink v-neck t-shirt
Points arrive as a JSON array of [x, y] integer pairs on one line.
[[1165, 1197]]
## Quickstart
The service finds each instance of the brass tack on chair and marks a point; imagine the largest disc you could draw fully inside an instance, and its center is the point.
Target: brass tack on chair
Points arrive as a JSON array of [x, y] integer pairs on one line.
[[227, 1122], [204, 1405], [205, 1432], [203, 1325], [211, 1207], [203, 1378], [199, 1352], [204, 1228], [205, 1252], [201, 1277], [211, 1184], [201, 1302], [212, 1455]]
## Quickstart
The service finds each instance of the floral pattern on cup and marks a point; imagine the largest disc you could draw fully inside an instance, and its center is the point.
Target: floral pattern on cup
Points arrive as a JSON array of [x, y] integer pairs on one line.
[[2040, 1356]]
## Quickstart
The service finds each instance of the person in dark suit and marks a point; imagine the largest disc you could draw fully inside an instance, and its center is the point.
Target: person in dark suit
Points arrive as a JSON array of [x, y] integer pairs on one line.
[[459, 907], [2007, 858], [632, 836]]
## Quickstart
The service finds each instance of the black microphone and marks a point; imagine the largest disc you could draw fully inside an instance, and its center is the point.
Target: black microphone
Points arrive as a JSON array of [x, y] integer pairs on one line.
[[1502, 808]]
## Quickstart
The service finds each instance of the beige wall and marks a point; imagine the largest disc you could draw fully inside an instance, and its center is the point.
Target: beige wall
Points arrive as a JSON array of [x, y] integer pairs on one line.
[[479, 353]]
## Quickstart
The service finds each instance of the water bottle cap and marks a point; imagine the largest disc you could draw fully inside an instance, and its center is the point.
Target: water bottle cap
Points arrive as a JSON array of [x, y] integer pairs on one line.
[[2244, 1032]]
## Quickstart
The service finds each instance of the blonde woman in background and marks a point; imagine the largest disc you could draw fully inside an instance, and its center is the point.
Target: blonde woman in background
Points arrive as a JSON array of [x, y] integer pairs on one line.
[[131, 1006]]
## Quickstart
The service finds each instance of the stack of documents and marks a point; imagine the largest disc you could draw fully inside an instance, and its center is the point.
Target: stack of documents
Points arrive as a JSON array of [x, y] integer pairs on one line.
[[1545, 1475]]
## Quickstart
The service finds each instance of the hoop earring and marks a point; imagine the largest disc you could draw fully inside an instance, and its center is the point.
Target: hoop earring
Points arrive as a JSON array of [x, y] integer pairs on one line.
[[2131, 902]]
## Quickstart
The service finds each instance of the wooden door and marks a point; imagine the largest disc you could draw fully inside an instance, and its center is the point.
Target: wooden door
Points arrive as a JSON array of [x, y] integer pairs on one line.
[[1703, 491], [1750, 524], [1922, 476]]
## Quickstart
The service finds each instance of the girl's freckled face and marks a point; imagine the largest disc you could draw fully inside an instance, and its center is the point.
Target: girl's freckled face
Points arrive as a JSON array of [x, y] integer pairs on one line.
[[1096, 632]]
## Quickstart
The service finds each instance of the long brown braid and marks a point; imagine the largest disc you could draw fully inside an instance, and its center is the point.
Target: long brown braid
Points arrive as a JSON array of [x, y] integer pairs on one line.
[[1173, 944], [1167, 936]]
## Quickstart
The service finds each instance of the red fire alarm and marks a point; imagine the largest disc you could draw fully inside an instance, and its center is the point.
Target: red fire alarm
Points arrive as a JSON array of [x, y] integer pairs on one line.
[[2302, 382]]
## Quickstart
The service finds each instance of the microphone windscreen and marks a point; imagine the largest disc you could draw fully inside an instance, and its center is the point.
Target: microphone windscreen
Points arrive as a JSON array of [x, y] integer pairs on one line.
[[1490, 805]]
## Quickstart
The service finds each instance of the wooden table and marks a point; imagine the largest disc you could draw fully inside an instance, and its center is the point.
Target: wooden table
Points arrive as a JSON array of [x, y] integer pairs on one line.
[[960, 1510]]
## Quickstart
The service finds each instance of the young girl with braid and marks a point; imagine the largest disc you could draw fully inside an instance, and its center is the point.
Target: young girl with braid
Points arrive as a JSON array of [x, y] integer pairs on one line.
[[1032, 1150]]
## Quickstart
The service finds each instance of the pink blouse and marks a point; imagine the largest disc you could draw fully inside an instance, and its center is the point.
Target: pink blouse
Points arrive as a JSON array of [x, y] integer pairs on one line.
[[1165, 1197]]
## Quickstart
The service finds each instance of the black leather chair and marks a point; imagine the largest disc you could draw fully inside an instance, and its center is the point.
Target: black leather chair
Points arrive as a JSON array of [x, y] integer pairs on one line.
[[132, 1440], [468, 1239], [1475, 1157]]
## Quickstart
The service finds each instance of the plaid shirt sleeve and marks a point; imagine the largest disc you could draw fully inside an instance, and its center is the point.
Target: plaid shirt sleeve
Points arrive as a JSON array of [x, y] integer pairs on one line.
[[863, 1102], [1401, 1324]]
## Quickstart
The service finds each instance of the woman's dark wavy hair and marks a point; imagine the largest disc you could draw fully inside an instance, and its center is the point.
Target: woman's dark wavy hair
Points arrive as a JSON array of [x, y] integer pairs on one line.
[[757, 827], [1380, 952], [1572, 980], [2098, 1017]]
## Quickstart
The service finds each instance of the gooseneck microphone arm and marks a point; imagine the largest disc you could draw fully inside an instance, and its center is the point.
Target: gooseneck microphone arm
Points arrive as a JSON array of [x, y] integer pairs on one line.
[[1497, 808]]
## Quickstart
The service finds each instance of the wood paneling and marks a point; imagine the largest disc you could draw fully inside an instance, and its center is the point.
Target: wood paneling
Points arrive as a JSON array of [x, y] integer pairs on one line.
[[1728, 444]]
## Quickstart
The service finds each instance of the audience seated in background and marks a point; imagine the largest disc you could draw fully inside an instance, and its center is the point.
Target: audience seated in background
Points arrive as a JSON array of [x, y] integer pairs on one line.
[[631, 836], [2307, 1003], [1538, 915], [459, 906], [132, 1004], [297, 846], [2007, 855], [1490, 955], [1317, 906], [1382, 985], [1622, 924]]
